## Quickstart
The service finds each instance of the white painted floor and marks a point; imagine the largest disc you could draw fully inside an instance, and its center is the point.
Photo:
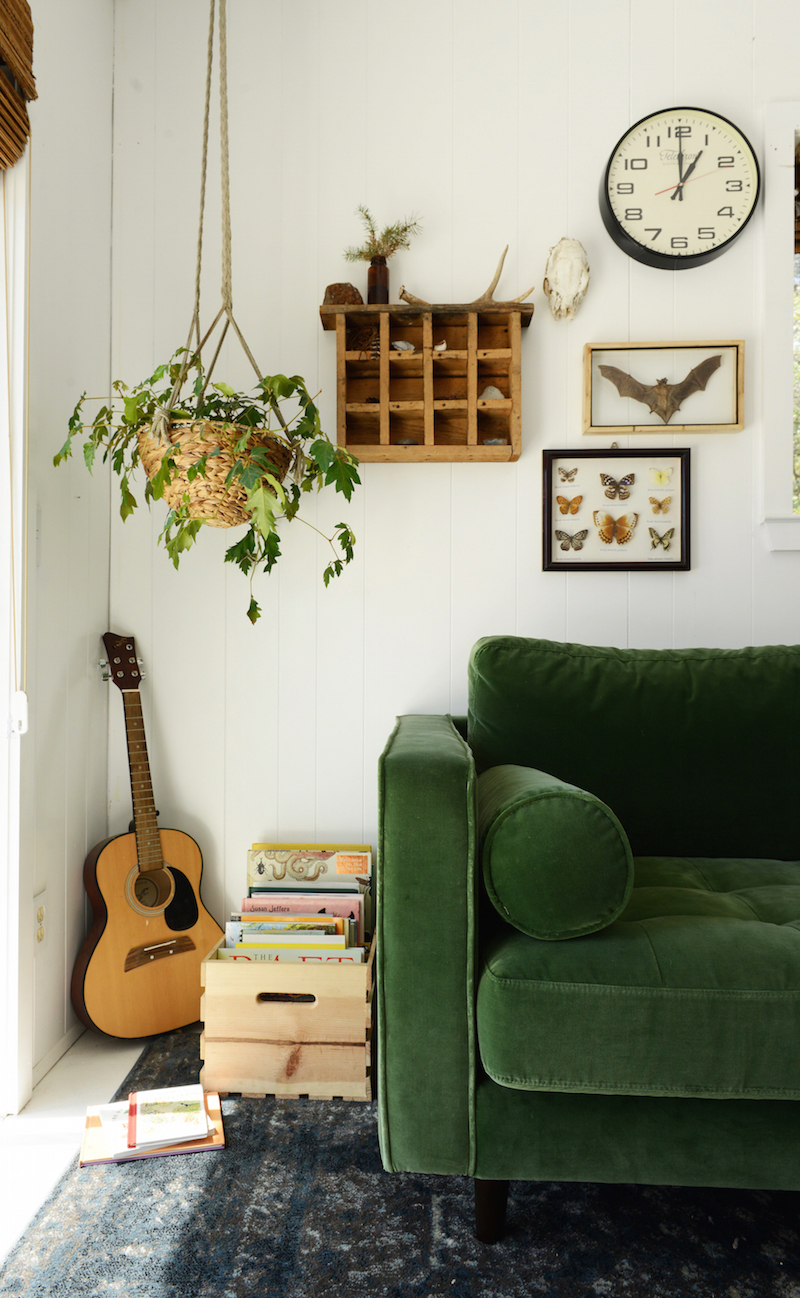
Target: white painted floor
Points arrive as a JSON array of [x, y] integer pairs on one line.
[[39, 1144]]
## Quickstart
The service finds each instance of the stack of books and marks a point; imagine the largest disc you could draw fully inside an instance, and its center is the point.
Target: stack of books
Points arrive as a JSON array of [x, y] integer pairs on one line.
[[306, 903], [149, 1124]]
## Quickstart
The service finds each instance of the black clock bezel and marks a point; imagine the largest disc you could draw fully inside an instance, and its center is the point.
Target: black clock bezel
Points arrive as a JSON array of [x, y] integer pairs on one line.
[[663, 260]]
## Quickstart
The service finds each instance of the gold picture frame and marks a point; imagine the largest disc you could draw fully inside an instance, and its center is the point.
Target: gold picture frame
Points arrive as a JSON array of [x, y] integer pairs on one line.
[[678, 387]]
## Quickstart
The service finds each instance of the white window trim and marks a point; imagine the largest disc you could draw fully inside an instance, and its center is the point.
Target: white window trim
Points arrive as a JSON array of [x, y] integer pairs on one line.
[[17, 937], [780, 525]]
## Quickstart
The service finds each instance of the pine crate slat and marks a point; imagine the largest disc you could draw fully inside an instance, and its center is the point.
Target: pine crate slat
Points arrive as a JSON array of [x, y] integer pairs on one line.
[[254, 1045], [426, 405]]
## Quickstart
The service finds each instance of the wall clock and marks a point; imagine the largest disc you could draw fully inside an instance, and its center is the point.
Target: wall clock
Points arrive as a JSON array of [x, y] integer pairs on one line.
[[679, 187]]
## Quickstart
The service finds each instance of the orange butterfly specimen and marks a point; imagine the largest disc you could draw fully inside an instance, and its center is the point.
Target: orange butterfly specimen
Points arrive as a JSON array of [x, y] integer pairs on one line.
[[569, 506], [661, 506], [615, 529]]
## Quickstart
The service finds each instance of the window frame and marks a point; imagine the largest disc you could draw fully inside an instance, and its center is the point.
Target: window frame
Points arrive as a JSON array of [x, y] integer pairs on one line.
[[781, 128]]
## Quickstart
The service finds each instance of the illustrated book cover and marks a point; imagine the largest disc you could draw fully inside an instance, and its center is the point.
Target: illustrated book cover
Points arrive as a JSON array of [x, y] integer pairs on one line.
[[298, 865]]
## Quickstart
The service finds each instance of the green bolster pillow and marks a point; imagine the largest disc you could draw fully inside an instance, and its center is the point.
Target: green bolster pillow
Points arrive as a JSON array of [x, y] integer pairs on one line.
[[556, 861]]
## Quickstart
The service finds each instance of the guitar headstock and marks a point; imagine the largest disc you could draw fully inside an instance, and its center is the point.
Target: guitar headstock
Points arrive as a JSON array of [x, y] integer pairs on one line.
[[123, 665]]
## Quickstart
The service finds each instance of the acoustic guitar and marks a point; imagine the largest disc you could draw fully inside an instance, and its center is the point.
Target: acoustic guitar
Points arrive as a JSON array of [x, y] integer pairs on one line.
[[138, 971]]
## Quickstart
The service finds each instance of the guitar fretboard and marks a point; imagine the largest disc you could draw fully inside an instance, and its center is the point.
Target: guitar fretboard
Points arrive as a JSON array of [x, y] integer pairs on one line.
[[148, 840]]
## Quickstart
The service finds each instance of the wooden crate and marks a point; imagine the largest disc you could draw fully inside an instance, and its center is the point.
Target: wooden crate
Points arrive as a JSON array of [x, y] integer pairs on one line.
[[318, 1043], [427, 405]]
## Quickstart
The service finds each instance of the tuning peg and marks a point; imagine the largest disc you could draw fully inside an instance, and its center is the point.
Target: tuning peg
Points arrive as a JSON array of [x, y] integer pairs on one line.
[[105, 669], [142, 672]]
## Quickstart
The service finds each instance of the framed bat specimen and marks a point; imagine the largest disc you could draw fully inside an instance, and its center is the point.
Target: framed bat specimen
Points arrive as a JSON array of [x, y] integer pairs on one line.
[[684, 387], [616, 509]]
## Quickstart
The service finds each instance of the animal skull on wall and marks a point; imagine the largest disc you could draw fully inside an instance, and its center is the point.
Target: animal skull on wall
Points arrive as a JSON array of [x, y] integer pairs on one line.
[[566, 278]]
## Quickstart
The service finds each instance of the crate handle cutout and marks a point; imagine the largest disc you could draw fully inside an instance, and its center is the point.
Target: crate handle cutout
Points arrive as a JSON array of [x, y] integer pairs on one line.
[[304, 998]]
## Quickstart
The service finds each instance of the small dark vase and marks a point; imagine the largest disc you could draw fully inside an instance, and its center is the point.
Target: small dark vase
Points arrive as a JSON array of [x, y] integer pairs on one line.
[[378, 280]]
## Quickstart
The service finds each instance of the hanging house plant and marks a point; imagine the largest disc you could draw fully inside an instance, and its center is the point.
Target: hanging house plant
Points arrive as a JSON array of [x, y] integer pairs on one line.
[[217, 457], [228, 459]]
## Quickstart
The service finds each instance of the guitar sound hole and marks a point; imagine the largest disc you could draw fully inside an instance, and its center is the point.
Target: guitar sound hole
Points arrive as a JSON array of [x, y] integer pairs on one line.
[[182, 912], [153, 888]]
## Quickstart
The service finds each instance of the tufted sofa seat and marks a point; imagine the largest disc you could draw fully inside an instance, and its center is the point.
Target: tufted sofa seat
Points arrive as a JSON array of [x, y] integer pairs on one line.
[[693, 991]]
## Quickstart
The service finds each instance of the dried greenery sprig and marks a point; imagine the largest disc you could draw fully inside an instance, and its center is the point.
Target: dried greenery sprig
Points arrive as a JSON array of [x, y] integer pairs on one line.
[[383, 243]]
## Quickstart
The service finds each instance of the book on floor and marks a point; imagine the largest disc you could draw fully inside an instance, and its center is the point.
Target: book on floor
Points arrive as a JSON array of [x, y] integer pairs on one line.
[[105, 1135], [166, 1116]]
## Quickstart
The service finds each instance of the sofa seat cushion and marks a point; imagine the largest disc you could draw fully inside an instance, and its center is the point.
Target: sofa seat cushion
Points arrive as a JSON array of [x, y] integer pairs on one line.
[[693, 991]]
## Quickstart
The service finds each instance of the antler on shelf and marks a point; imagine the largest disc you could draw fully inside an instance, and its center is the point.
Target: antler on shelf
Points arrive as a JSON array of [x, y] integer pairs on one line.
[[485, 299]]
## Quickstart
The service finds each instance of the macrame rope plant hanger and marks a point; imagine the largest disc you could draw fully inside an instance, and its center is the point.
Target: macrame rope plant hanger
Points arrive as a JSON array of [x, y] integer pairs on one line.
[[205, 467], [221, 508]]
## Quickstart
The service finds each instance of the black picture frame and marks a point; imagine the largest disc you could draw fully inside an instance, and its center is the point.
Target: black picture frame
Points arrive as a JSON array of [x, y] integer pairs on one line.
[[610, 486]]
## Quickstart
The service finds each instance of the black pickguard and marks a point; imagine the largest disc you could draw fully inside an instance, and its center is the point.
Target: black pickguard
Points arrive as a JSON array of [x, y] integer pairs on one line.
[[182, 912]]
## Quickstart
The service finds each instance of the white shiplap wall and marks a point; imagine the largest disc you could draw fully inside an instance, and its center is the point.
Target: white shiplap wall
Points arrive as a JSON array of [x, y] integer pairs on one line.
[[493, 121]]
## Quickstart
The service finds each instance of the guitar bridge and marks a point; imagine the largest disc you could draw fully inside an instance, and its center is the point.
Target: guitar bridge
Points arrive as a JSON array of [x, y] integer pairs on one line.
[[142, 955]]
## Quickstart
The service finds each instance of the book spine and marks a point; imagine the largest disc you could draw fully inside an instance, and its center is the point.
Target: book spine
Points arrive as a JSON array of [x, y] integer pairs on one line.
[[132, 1108]]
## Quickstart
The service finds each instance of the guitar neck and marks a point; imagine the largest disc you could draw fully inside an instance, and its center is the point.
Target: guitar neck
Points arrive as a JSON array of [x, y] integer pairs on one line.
[[148, 839]]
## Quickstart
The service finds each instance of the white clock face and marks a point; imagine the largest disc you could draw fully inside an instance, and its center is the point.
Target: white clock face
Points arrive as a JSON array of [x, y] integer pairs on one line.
[[679, 186]]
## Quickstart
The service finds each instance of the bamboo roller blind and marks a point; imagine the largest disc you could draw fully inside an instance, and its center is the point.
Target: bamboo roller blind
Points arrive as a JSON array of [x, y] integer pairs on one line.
[[17, 84]]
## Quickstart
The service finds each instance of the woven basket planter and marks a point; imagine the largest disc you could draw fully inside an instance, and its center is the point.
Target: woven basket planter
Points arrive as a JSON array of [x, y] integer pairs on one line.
[[209, 497]]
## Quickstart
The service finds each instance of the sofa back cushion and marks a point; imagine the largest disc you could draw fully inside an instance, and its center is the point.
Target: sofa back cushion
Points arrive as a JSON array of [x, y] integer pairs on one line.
[[556, 862], [694, 750]]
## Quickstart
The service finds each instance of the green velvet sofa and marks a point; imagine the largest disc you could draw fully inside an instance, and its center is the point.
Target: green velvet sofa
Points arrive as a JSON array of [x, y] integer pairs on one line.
[[588, 922]]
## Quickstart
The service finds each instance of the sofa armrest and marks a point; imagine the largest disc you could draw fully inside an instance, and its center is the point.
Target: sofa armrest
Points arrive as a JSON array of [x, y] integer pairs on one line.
[[425, 948]]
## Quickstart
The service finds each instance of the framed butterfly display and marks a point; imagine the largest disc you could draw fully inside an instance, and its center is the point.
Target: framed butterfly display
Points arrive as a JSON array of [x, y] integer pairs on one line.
[[616, 509], [681, 387]]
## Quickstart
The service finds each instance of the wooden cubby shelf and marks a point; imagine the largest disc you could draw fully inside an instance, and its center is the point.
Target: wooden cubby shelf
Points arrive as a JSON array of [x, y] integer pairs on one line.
[[426, 404]]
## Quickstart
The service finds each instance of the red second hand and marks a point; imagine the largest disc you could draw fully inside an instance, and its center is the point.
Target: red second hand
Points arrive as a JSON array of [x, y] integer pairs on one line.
[[690, 181]]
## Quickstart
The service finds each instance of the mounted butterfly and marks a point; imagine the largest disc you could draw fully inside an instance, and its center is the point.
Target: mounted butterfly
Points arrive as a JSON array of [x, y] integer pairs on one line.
[[569, 506]]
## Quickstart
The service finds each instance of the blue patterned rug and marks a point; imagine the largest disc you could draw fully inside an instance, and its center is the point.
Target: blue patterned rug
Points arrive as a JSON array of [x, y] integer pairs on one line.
[[298, 1205]]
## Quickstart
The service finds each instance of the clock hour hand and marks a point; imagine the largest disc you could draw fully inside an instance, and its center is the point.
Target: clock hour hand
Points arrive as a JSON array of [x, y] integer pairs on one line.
[[684, 179], [692, 166]]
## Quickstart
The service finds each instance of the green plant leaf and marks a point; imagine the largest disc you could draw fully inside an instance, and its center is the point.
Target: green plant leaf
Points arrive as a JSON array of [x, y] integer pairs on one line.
[[182, 538], [261, 504], [338, 466], [162, 477], [131, 415], [271, 551], [333, 570], [243, 552], [253, 612], [128, 502]]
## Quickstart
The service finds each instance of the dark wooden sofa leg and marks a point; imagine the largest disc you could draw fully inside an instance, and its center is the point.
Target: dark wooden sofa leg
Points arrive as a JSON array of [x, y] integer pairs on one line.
[[490, 1210]]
